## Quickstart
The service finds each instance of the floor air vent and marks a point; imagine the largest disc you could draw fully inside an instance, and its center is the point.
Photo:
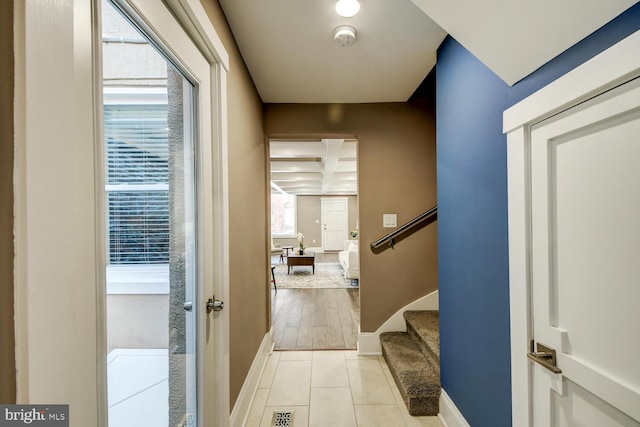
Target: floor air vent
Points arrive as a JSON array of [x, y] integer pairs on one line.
[[282, 419]]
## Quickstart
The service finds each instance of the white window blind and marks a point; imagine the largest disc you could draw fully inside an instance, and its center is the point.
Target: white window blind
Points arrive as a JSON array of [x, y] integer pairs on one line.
[[137, 183]]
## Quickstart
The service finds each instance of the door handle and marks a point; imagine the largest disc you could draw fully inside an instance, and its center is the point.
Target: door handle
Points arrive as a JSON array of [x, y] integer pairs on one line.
[[214, 305], [545, 356], [188, 306]]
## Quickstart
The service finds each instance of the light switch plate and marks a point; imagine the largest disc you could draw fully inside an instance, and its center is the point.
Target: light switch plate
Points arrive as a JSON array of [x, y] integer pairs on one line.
[[389, 220]]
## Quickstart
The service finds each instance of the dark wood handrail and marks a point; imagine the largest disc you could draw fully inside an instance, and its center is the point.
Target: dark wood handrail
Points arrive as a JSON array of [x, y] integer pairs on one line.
[[389, 238]]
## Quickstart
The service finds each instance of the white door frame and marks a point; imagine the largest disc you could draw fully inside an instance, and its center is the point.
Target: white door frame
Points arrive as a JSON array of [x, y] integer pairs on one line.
[[609, 69], [59, 221], [346, 217]]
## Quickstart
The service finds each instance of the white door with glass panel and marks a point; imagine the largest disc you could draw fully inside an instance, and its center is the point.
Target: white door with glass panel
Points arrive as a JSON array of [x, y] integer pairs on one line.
[[335, 223], [585, 249], [156, 146]]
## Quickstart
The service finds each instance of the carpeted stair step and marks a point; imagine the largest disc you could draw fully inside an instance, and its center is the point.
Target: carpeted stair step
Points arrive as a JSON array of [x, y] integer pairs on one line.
[[424, 328], [418, 378]]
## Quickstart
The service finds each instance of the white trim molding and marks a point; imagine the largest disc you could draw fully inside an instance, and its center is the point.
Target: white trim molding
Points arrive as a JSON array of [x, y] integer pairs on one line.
[[613, 67], [316, 249], [193, 16], [369, 342], [449, 414], [243, 404], [56, 286]]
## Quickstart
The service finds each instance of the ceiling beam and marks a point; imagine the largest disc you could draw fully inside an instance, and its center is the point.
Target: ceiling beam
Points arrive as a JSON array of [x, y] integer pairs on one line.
[[278, 189], [330, 161]]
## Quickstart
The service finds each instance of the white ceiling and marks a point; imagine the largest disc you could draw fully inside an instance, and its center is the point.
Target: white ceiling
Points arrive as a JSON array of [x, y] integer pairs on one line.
[[325, 166], [290, 53], [289, 49], [515, 37]]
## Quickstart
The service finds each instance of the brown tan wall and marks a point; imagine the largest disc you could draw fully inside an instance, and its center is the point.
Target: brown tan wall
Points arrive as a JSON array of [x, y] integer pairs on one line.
[[7, 347], [248, 299], [308, 210], [397, 174]]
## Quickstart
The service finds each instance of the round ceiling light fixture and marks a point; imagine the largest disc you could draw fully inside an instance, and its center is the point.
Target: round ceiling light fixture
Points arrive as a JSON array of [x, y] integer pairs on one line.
[[345, 35], [347, 8]]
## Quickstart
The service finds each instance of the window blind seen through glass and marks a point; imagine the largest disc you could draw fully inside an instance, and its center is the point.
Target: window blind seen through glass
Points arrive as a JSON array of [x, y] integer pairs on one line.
[[137, 153]]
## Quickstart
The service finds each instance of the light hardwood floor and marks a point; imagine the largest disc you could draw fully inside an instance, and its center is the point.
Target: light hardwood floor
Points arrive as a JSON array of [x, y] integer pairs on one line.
[[315, 319]]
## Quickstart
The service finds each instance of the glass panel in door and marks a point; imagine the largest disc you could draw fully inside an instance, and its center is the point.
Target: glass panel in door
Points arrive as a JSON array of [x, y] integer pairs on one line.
[[150, 235]]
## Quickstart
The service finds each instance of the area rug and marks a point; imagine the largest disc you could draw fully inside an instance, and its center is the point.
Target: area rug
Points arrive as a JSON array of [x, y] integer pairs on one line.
[[328, 275]]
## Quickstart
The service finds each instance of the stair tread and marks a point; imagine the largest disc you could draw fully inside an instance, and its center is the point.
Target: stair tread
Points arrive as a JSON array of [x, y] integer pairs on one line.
[[425, 325], [417, 377]]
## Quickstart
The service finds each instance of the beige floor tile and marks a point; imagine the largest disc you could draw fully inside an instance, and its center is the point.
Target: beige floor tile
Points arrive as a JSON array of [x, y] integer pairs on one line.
[[353, 354], [410, 420], [328, 354], [378, 416], [331, 407], [369, 386], [291, 384], [322, 388], [296, 355], [387, 372], [300, 415], [423, 422], [257, 407], [397, 396], [269, 370], [329, 373]]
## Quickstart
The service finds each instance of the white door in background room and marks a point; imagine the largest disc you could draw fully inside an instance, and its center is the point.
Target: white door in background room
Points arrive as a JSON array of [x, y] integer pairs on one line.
[[574, 252], [335, 223]]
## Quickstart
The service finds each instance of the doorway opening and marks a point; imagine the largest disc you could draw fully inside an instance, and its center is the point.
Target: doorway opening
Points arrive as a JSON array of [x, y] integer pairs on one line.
[[315, 298]]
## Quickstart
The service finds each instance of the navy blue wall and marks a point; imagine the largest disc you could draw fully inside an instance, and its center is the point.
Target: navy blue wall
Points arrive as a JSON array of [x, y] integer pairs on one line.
[[472, 218]]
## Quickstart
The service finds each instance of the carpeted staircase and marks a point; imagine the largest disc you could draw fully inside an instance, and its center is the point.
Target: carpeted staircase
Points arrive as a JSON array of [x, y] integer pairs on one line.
[[414, 360]]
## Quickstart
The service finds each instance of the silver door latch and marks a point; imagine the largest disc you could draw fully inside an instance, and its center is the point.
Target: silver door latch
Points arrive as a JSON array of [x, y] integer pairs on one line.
[[214, 305], [545, 356]]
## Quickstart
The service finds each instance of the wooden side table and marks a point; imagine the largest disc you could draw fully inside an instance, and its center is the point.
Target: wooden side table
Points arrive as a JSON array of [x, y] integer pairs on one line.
[[308, 258]]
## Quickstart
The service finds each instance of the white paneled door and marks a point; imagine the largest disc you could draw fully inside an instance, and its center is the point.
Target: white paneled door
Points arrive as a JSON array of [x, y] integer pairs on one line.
[[158, 134], [335, 223], [585, 263]]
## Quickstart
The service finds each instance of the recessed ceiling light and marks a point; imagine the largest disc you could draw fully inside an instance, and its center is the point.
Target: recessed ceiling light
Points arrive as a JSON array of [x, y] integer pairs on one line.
[[347, 8]]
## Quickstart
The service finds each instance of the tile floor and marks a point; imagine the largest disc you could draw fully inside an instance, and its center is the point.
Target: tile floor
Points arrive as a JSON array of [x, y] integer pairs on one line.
[[331, 388], [138, 392]]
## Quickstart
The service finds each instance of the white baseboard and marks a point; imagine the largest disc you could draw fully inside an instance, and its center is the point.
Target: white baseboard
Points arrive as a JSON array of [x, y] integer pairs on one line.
[[241, 409], [449, 414], [369, 342]]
